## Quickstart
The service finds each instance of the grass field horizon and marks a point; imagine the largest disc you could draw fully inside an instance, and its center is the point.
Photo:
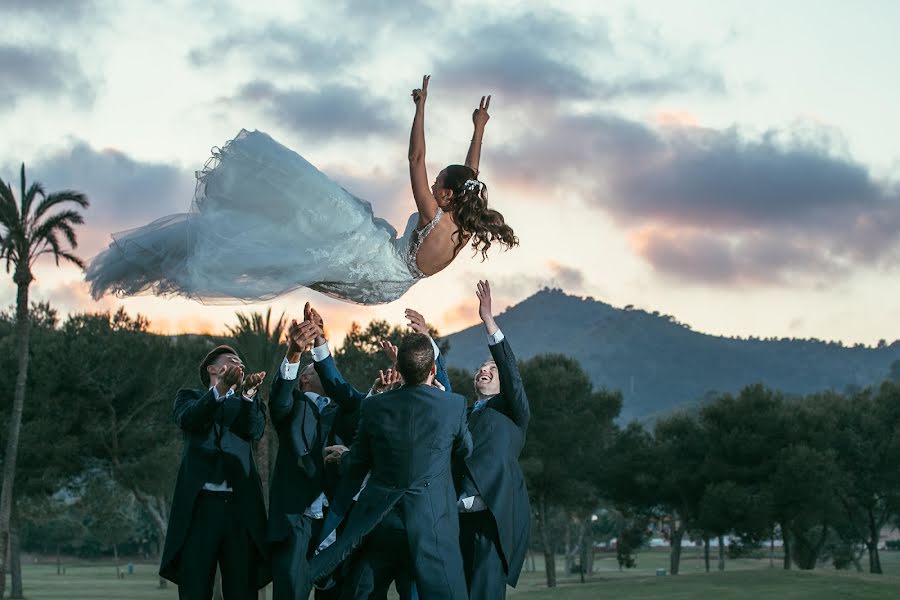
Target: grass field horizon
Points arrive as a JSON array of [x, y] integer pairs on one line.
[[743, 578]]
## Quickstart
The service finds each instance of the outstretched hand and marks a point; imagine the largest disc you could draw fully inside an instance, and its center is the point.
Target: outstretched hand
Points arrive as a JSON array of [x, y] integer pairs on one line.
[[485, 308], [390, 350], [230, 377], [312, 315], [300, 338], [419, 95], [480, 117], [251, 383], [417, 322], [386, 380]]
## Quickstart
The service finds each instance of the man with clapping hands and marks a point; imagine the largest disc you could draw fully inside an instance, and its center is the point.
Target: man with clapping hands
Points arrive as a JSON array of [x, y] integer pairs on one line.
[[218, 513]]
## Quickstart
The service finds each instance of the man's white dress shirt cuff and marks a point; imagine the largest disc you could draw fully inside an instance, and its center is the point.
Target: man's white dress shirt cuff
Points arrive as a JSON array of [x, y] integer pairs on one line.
[[437, 351], [495, 338], [320, 353], [289, 370]]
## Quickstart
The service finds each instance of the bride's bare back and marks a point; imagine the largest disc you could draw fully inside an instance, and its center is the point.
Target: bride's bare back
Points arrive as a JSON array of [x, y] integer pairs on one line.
[[453, 209], [439, 247]]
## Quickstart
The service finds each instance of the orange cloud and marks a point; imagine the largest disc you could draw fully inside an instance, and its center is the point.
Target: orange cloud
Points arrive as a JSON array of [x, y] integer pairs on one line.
[[457, 317], [676, 118]]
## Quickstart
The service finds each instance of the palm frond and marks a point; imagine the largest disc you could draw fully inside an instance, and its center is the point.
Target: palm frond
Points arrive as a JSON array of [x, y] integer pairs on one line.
[[26, 237], [9, 212], [48, 244], [59, 198], [71, 258], [258, 338], [61, 220], [69, 232]]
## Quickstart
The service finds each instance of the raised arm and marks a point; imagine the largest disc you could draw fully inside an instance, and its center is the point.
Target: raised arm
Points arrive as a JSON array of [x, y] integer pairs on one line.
[[281, 399], [418, 175], [479, 120], [336, 387], [511, 400], [250, 422]]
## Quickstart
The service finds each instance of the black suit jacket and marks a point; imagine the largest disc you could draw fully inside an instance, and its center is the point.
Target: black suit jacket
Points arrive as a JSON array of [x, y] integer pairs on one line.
[[300, 476], [406, 438], [340, 419], [498, 433], [212, 430]]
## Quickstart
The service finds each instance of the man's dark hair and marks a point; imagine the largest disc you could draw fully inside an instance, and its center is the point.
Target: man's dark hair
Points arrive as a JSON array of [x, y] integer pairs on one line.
[[415, 358], [210, 358]]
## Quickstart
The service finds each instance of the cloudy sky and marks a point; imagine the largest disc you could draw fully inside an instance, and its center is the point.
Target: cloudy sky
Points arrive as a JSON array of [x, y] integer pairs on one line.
[[735, 168]]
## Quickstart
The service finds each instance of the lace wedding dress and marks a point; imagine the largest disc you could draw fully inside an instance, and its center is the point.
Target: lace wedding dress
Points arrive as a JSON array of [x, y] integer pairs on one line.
[[264, 221]]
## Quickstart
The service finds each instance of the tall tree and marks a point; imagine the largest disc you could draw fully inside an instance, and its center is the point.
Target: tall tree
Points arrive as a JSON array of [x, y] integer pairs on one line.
[[629, 479], [571, 425], [28, 231], [124, 379], [681, 449], [866, 437]]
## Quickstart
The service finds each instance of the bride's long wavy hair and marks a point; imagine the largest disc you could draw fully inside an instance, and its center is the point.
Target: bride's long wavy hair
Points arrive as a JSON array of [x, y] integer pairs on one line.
[[471, 213]]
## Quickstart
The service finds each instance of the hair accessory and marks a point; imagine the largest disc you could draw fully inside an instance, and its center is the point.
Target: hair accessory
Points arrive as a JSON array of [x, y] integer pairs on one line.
[[471, 185]]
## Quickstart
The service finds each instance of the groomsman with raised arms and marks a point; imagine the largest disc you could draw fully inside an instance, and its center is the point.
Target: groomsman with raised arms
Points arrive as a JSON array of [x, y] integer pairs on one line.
[[494, 512], [303, 416]]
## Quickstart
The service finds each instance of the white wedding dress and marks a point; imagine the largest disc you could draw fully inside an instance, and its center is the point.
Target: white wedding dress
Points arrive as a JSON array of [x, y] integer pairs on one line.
[[264, 221]]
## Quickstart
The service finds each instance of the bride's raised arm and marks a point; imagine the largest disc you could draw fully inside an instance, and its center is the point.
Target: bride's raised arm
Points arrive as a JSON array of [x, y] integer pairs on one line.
[[418, 175], [479, 119]]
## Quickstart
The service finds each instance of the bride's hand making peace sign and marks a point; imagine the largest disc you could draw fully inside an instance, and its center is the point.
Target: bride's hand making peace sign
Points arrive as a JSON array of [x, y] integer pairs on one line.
[[480, 116], [420, 94]]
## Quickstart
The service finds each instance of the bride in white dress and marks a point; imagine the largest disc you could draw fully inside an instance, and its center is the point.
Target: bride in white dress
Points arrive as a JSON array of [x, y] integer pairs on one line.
[[264, 221]]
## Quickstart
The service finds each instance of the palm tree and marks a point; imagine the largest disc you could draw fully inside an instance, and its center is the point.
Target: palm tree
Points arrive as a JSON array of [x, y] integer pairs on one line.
[[27, 232]]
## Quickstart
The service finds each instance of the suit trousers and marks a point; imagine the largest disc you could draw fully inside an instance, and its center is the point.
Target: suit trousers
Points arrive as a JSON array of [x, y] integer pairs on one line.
[[480, 543], [290, 563], [383, 559], [217, 535]]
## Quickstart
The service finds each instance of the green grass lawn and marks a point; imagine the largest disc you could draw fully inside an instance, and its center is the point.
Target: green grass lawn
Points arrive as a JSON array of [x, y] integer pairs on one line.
[[744, 578]]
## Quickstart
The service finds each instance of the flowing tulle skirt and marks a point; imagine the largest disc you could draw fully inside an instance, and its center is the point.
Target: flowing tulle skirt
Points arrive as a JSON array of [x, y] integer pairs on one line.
[[264, 221]]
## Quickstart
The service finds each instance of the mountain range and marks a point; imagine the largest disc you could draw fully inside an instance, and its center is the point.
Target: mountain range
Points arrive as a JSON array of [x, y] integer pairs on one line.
[[660, 364]]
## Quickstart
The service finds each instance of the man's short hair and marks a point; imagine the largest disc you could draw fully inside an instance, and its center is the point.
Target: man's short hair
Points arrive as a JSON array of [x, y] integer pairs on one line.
[[210, 358], [415, 358]]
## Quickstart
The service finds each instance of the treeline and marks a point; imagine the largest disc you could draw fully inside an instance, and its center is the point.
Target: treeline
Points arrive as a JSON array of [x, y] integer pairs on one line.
[[818, 472], [99, 450]]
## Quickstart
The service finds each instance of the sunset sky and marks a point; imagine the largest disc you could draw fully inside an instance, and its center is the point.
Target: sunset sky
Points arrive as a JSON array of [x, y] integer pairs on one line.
[[733, 165]]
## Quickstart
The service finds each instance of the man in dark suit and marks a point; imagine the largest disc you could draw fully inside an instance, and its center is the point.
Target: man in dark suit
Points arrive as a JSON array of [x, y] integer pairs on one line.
[[340, 389], [218, 512], [494, 512], [304, 419], [405, 518]]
